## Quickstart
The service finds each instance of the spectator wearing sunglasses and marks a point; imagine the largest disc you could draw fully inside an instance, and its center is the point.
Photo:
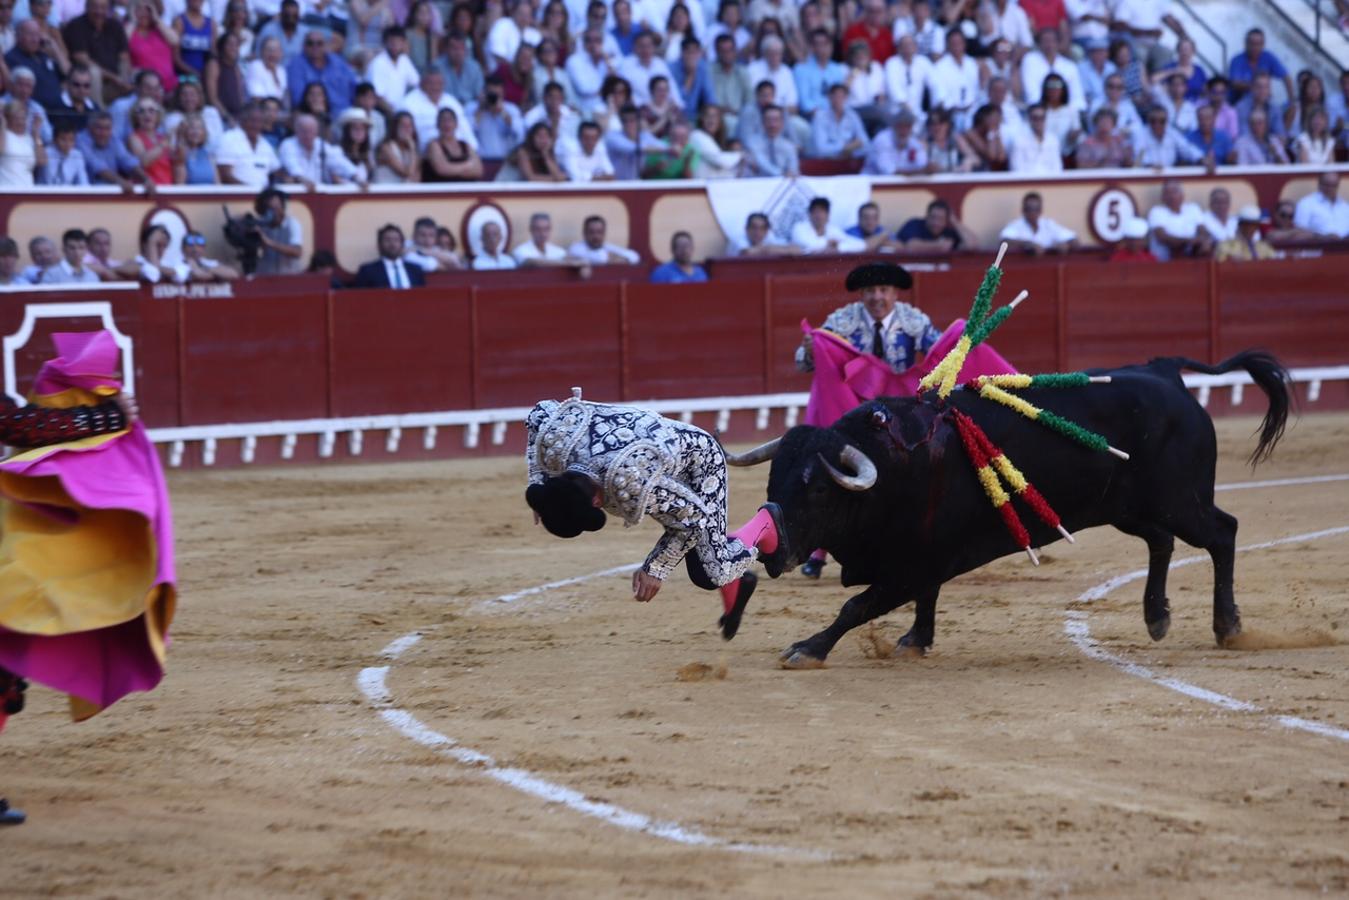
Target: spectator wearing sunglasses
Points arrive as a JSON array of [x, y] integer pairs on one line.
[[318, 64], [77, 102], [200, 267]]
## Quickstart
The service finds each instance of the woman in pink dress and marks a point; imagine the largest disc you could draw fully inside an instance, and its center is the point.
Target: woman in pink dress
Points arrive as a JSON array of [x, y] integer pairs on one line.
[[151, 44]]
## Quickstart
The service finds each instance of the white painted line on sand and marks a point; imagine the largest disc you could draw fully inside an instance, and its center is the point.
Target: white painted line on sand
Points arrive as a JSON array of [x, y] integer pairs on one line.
[[372, 684], [1078, 630], [1281, 482]]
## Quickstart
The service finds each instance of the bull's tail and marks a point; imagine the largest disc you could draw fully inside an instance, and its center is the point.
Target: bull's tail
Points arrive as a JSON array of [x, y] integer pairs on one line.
[[1271, 377]]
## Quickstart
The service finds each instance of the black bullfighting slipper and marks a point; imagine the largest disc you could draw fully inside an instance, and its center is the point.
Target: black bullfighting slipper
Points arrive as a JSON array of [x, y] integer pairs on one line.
[[730, 622], [775, 562], [812, 568], [9, 815]]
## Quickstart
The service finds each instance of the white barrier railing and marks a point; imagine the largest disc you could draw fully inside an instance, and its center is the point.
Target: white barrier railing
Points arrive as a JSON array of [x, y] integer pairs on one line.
[[473, 421]]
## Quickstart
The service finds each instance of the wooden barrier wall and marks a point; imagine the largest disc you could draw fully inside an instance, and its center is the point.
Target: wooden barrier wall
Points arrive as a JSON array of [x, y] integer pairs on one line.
[[321, 354]]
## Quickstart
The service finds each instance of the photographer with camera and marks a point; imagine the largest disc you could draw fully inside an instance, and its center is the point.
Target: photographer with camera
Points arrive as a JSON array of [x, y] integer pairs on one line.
[[497, 122], [279, 235]]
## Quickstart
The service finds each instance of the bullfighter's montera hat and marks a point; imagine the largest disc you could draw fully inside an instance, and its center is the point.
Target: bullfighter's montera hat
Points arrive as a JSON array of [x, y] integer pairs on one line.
[[879, 274]]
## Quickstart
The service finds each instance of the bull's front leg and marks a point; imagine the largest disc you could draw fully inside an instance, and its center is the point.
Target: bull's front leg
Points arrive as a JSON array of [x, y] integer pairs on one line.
[[920, 636], [875, 601]]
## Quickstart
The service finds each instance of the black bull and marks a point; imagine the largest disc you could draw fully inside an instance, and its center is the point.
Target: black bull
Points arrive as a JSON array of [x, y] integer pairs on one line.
[[924, 518]]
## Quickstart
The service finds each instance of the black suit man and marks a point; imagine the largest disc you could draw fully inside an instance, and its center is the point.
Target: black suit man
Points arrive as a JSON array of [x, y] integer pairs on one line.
[[390, 271]]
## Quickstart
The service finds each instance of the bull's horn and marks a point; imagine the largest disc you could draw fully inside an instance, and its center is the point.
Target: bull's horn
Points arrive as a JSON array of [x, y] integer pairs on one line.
[[860, 462], [762, 453]]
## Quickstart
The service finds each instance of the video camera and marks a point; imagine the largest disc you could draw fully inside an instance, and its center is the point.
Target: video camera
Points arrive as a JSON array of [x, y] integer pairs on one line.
[[244, 234]]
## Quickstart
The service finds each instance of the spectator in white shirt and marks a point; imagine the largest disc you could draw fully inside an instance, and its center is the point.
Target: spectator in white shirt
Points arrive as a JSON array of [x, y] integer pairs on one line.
[[424, 105], [1160, 146], [509, 32], [1219, 221], [1180, 112], [1177, 226], [1038, 63], [266, 75], [150, 265], [539, 251], [1035, 234], [908, 74], [928, 34], [1127, 121], [645, 65], [595, 250], [772, 67], [1324, 212], [1140, 22], [491, 256], [956, 81], [392, 71], [866, 85], [816, 234], [310, 160], [587, 70], [896, 151], [1013, 23], [589, 160], [425, 253], [1035, 151], [243, 155]]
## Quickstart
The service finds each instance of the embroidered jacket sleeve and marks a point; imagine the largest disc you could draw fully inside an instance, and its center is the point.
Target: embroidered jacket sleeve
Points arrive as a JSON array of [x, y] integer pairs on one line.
[[533, 422], [38, 426], [674, 544], [842, 322]]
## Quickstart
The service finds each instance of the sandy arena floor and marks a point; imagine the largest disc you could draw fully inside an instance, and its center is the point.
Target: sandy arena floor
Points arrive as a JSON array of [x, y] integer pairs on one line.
[[1006, 763]]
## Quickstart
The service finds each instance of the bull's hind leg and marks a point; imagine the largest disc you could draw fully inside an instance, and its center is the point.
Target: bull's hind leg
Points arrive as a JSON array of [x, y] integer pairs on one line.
[[876, 600], [1156, 606], [1218, 536], [1226, 616]]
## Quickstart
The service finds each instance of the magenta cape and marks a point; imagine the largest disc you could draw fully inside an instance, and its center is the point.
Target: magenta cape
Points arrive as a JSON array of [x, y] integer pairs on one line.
[[845, 378], [86, 560]]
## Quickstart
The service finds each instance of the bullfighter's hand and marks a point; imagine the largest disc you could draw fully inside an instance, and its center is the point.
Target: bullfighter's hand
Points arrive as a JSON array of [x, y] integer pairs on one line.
[[644, 586], [129, 407]]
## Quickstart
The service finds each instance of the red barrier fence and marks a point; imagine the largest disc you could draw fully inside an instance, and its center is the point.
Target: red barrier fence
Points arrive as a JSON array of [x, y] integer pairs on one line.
[[321, 354]]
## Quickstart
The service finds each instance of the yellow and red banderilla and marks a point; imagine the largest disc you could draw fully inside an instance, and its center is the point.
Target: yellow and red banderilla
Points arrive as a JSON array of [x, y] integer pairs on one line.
[[992, 468]]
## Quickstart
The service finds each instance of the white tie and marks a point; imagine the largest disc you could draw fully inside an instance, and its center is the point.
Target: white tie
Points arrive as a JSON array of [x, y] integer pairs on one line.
[[398, 275]]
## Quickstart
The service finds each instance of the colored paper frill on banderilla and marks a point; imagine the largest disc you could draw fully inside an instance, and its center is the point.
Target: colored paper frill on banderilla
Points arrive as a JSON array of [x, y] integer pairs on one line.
[[87, 585], [845, 377]]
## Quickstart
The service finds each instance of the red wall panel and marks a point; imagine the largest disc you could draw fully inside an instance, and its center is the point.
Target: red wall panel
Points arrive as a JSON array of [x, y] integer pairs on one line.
[[409, 349], [1130, 313], [1028, 339], [695, 342], [539, 342], [1299, 309], [255, 359]]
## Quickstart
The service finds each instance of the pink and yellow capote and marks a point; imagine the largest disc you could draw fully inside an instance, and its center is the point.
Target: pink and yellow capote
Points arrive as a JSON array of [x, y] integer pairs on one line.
[[87, 584]]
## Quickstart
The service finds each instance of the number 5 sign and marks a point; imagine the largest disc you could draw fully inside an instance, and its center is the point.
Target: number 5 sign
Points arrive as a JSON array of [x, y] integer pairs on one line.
[[1110, 210]]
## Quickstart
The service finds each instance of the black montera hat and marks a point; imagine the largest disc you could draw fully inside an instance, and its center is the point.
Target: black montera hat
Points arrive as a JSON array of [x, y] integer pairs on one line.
[[564, 507], [877, 274]]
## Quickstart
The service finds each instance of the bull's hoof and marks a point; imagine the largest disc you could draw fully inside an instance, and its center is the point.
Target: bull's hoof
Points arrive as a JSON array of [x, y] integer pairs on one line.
[[1158, 629], [913, 647], [796, 657], [1226, 633]]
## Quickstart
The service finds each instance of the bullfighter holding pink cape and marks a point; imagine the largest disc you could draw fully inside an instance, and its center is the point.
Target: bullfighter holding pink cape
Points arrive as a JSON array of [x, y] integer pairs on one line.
[[86, 538], [870, 348]]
